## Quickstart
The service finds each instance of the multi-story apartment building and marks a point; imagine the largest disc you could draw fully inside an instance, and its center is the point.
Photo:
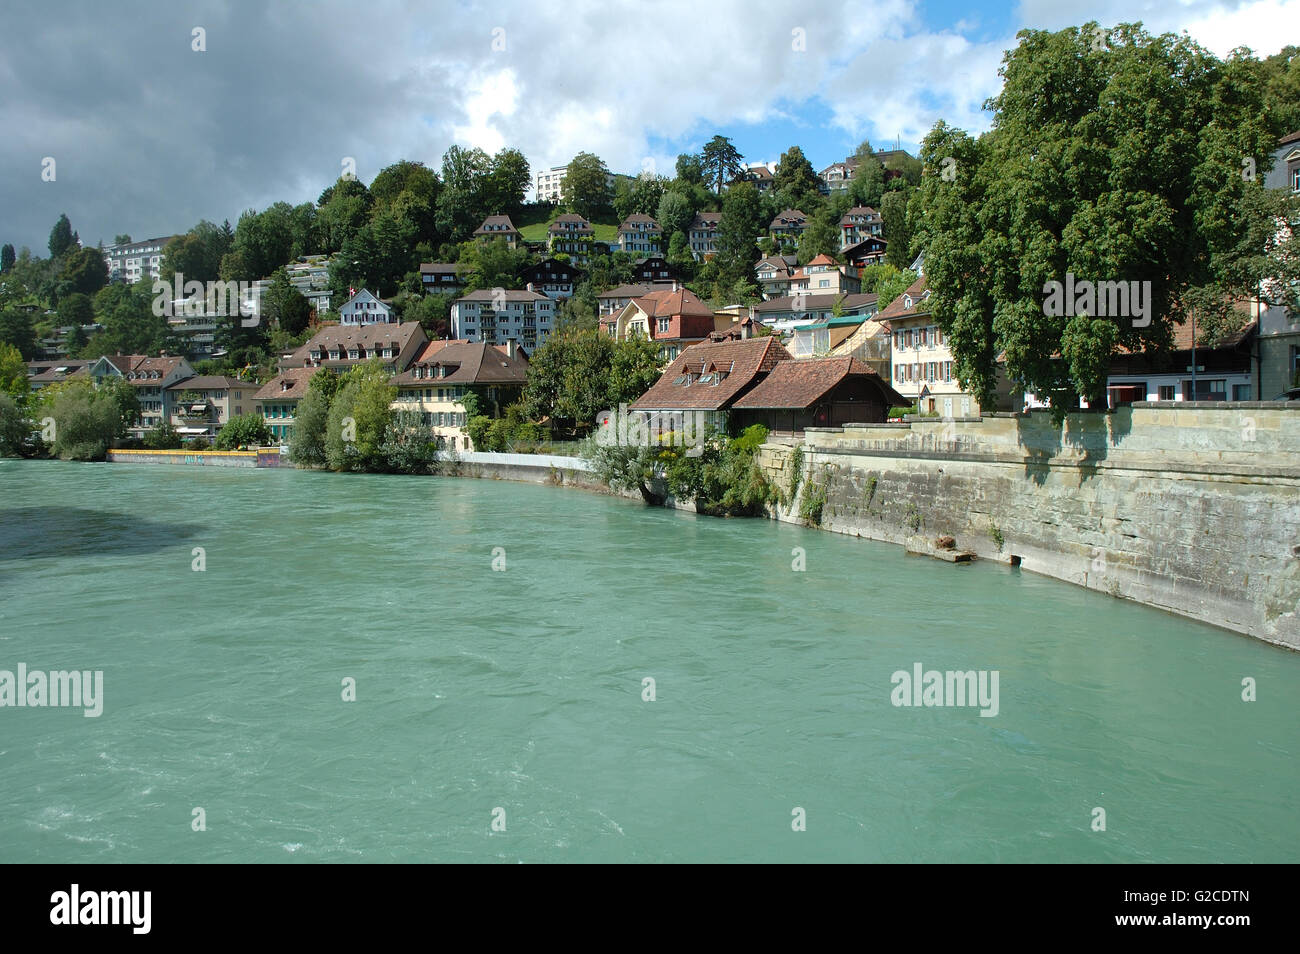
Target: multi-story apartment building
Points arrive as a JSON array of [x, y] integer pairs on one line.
[[704, 235], [498, 316], [639, 234], [570, 234], [921, 361], [278, 400], [548, 184], [151, 378], [788, 226], [132, 261], [202, 404], [342, 346], [858, 223], [434, 385], [495, 227], [822, 276]]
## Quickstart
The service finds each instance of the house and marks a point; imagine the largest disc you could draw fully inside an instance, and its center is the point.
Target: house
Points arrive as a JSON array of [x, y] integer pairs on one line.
[[672, 318], [858, 223], [820, 338], [639, 234], [363, 308], [653, 269], [837, 176], [824, 276], [870, 343], [343, 346], [762, 175], [149, 376], [789, 311], [441, 278], [131, 261], [921, 361], [787, 227], [870, 251], [553, 278], [613, 301], [434, 385], [773, 274], [309, 274], [42, 373], [201, 405], [1222, 372], [495, 227], [704, 234], [1278, 362], [571, 235], [820, 392], [707, 378], [500, 315], [278, 400]]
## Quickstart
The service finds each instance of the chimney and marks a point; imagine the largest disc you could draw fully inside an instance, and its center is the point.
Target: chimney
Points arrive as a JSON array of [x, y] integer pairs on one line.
[[511, 346]]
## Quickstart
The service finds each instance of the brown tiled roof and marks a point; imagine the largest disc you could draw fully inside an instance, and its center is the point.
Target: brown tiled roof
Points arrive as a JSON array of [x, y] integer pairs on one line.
[[210, 382], [815, 302], [640, 222], [49, 370], [496, 220], [477, 362], [1289, 137], [439, 268], [569, 222], [381, 334], [297, 380], [744, 361], [164, 367], [661, 304], [628, 291], [801, 384], [706, 220], [787, 218], [898, 309]]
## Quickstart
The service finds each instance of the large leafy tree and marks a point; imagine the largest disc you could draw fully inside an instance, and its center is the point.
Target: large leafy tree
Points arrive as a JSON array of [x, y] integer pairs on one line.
[[342, 210], [586, 189], [410, 190], [283, 306], [13, 372], [16, 329], [821, 237], [263, 242], [83, 271], [719, 162], [506, 183], [743, 220], [359, 417], [197, 254], [796, 180], [460, 204], [243, 430], [893, 215], [1111, 161]]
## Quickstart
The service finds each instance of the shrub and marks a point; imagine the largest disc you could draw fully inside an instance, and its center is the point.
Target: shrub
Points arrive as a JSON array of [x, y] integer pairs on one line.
[[243, 430], [162, 437]]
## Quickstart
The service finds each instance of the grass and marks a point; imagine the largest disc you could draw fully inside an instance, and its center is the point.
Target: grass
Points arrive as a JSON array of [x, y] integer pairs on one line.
[[531, 224]]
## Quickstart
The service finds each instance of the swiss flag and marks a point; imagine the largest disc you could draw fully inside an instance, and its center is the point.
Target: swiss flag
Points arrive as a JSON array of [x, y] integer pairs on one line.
[[351, 292]]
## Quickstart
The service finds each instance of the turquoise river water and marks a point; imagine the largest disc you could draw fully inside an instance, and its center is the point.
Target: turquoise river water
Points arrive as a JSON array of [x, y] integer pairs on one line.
[[503, 714]]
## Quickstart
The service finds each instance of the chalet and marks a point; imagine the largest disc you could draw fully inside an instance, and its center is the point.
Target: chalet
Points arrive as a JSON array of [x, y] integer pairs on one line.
[[552, 278], [571, 235], [773, 275], [822, 392], [639, 234], [869, 251], [435, 384], [441, 278], [495, 227], [788, 226], [858, 223], [653, 269], [704, 234]]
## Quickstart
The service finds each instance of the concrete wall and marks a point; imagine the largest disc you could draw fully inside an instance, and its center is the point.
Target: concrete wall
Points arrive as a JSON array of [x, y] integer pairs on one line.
[[202, 458], [1193, 508], [530, 468]]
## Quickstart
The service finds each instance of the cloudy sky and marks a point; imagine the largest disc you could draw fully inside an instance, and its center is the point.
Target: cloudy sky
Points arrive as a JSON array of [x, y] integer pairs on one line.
[[148, 136]]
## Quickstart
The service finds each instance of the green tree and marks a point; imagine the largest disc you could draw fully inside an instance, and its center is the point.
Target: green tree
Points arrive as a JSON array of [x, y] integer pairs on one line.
[[821, 237], [15, 426], [719, 163], [1119, 164], [796, 180], [461, 206], [310, 423], [13, 372], [893, 214], [76, 309], [86, 421], [243, 430], [61, 237], [742, 223], [690, 169], [634, 366], [16, 329], [163, 437], [197, 254], [342, 210], [283, 306], [7, 257], [674, 213], [433, 312], [359, 417], [83, 271], [586, 188], [506, 183], [493, 264]]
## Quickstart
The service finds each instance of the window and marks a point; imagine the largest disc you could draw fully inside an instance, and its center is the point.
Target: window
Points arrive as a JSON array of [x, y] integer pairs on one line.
[[663, 324], [1166, 392], [1241, 392]]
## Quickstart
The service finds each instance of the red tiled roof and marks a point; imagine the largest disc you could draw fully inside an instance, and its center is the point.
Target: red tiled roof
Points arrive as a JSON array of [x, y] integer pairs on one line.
[[297, 380], [898, 307], [743, 361], [662, 304], [801, 384], [474, 362]]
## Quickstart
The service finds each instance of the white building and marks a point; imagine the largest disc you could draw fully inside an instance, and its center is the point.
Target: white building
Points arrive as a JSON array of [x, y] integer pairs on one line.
[[363, 308], [498, 316], [132, 261]]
